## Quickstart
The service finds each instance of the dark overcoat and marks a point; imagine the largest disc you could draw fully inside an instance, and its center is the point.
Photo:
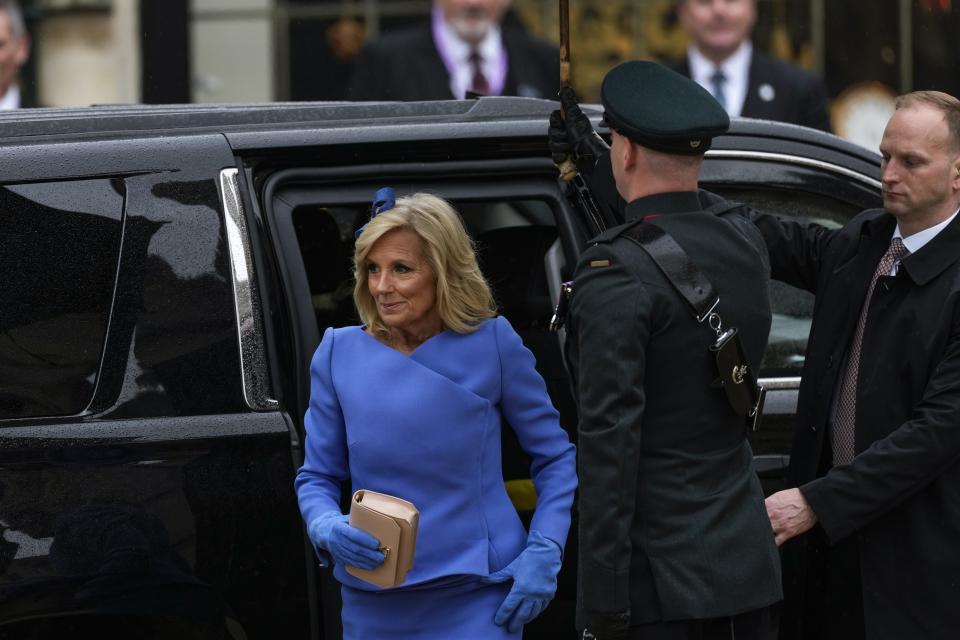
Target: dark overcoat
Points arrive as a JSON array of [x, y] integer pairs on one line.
[[901, 493], [672, 520]]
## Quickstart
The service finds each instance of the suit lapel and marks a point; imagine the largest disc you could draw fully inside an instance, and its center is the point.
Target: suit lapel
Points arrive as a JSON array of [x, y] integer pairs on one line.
[[935, 256], [518, 81], [753, 106], [429, 73]]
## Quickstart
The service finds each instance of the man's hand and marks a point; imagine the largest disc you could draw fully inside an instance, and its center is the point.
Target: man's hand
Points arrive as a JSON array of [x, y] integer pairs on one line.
[[572, 134], [790, 514]]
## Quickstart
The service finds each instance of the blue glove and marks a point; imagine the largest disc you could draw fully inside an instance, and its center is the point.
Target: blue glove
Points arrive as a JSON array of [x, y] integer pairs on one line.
[[534, 574], [347, 545]]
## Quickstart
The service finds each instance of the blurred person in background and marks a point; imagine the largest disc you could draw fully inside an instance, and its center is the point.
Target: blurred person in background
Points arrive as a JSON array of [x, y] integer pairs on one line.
[[746, 82], [467, 48], [14, 51]]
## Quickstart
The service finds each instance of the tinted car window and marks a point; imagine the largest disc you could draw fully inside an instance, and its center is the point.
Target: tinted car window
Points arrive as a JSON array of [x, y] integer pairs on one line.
[[792, 307], [59, 245]]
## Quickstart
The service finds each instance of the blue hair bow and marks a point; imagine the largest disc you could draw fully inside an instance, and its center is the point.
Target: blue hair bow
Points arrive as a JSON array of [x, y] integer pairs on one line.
[[383, 200]]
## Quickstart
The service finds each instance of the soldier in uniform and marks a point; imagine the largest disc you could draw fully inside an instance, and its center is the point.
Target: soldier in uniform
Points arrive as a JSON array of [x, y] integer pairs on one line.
[[674, 538]]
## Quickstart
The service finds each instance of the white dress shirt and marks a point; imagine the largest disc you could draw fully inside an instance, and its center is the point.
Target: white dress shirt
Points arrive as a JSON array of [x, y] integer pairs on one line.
[[916, 241], [456, 57], [11, 99], [736, 69]]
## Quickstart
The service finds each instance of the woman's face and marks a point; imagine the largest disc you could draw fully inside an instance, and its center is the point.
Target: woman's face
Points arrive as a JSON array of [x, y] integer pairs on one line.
[[402, 283]]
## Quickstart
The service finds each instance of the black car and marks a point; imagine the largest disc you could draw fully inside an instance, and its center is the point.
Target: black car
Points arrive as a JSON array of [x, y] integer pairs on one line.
[[165, 275]]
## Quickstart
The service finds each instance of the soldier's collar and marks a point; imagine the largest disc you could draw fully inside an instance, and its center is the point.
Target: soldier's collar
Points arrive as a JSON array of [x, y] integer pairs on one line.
[[663, 203]]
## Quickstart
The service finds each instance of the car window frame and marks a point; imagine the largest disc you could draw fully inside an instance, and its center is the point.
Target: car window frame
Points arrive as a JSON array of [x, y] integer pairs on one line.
[[790, 171], [110, 290], [476, 180]]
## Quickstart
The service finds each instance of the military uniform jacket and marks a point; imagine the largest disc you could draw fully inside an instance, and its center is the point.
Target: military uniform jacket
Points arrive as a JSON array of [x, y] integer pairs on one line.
[[672, 518], [901, 493]]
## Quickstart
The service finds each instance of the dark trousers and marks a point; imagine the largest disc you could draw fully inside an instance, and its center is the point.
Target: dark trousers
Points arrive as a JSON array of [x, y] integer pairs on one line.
[[834, 609], [760, 624]]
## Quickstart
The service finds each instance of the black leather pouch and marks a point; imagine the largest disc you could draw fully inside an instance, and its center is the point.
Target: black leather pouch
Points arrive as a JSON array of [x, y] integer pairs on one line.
[[738, 379]]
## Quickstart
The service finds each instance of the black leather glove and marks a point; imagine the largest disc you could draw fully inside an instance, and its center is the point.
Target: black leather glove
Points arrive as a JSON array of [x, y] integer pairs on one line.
[[605, 625], [574, 136]]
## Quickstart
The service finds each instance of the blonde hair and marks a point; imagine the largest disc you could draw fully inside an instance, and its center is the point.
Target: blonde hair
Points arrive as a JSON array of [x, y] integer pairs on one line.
[[463, 295]]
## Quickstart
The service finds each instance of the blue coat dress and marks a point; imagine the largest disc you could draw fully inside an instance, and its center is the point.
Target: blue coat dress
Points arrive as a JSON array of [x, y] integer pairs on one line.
[[426, 427]]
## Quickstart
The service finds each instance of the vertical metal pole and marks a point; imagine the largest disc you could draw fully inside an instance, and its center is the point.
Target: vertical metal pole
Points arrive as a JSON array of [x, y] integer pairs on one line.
[[640, 49], [564, 7], [371, 16], [281, 49], [125, 22], [818, 28], [906, 46]]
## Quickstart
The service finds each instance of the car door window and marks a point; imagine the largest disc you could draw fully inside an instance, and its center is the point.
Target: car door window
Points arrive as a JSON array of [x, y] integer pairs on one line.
[[58, 256], [792, 307]]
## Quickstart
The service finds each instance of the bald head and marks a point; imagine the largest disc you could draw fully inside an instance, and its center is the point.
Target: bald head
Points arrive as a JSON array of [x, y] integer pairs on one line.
[[943, 102]]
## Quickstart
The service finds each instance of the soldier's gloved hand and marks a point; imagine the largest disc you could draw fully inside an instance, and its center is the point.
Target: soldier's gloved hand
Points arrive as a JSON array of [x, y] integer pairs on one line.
[[574, 136], [347, 545], [605, 625], [534, 574]]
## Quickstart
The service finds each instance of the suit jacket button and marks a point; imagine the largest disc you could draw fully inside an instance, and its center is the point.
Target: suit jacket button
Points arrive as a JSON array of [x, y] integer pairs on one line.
[[813, 428], [830, 361]]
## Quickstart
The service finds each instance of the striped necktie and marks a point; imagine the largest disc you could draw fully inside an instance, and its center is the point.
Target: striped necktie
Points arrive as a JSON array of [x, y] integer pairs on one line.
[[843, 434], [479, 84], [717, 82]]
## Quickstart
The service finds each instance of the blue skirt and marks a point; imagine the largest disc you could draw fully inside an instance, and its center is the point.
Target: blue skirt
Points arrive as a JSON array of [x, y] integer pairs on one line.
[[461, 609]]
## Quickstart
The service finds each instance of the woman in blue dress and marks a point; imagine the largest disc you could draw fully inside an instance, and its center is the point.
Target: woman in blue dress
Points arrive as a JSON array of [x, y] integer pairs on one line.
[[410, 404]]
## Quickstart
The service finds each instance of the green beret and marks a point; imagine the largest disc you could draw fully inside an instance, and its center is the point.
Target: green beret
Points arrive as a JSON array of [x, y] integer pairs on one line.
[[661, 109]]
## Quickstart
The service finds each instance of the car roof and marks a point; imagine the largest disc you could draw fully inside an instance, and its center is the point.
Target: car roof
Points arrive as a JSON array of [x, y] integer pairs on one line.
[[250, 126]]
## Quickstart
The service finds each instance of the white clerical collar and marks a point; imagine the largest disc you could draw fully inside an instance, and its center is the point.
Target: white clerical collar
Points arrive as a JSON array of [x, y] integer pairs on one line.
[[11, 99], [915, 242]]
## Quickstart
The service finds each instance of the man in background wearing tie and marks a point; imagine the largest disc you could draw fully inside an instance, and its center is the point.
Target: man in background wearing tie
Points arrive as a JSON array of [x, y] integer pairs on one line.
[[745, 82], [876, 452], [467, 49]]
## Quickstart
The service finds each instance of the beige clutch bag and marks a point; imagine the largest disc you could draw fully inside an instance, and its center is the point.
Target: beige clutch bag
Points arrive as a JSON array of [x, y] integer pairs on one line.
[[393, 522]]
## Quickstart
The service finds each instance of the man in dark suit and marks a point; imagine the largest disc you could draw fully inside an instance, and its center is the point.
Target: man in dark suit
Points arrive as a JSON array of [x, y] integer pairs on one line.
[[876, 454], [674, 543], [467, 48], [746, 82]]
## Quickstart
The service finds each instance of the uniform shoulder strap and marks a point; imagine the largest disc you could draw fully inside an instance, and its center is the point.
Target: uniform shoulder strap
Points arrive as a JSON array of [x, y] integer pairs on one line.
[[692, 285], [738, 379]]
